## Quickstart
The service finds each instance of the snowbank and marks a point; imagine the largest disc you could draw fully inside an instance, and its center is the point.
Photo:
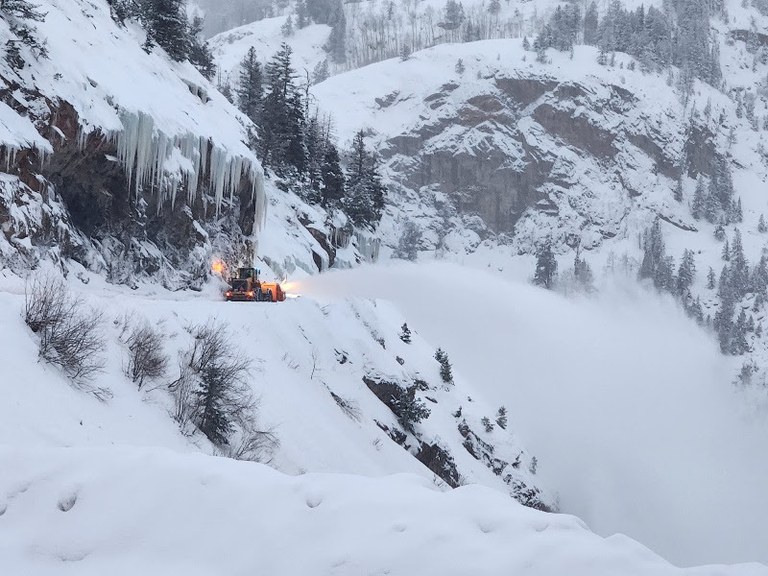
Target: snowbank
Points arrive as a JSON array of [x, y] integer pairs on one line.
[[144, 511]]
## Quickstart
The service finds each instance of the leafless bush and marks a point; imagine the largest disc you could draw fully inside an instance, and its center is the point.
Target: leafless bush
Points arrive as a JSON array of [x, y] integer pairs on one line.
[[146, 357], [349, 407], [70, 332], [213, 393]]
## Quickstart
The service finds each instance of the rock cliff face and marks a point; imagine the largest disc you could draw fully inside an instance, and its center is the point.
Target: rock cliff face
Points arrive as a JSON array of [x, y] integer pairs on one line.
[[495, 148], [130, 164]]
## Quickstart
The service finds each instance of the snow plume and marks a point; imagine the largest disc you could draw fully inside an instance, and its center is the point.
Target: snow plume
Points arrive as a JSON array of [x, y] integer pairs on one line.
[[626, 402], [153, 159]]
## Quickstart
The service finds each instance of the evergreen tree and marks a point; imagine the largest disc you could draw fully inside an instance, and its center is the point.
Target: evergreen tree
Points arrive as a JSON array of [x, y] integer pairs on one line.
[[364, 203], [459, 67], [501, 418], [526, 44], [739, 269], [302, 17], [250, 91], [686, 273], [405, 333], [719, 233], [725, 255], [679, 190], [761, 226], [446, 371], [546, 267], [591, 25], [287, 28], [653, 252], [711, 279], [18, 14], [166, 25], [199, 53], [582, 273], [738, 342], [759, 281], [337, 40], [409, 243], [332, 176], [321, 72], [282, 145], [494, 7], [699, 200], [487, 424]]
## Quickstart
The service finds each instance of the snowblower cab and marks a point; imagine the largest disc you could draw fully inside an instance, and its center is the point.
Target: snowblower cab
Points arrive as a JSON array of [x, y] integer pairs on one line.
[[246, 287]]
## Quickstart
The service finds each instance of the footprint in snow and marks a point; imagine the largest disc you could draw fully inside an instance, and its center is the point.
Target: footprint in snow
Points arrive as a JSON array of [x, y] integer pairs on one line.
[[66, 504]]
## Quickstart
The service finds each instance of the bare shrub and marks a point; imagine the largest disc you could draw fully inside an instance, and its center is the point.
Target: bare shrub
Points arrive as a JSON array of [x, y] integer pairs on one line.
[[69, 330], [146, 356], [349, 407], [213, 393]]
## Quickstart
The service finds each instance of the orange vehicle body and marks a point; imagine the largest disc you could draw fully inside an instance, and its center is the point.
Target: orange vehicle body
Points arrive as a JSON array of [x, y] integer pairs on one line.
[[246, 287], [273, 288]]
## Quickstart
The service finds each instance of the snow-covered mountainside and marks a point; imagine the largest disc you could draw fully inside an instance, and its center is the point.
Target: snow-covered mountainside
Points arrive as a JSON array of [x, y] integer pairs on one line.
[[130, 189], [100, 123]]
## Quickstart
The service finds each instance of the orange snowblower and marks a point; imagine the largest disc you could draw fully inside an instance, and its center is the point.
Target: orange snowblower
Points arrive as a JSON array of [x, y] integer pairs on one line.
[[246, 287]]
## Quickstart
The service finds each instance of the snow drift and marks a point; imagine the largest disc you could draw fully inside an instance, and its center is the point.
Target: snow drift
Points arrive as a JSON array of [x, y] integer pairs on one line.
[[144, 511]]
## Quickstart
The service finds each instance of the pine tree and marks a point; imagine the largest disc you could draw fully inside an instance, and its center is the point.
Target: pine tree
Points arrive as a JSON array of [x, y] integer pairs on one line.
[[699, 200], [686, 273], [546, 267], [738, 343], [287, 28], [446, 371], [302, 17], [337, 40], [364, 203], [759, 280], [653, 252], [199, 53], [761, 226], [18, 14], [739, 269], [459, 67], [725, 255], [166, 24], [526, 44], [591, 25], [321, 72], [679, 190], [282, 145], [494, 7], [711, 279], [405, 333], [582, 273], [719, 232], [501, 418], [487, 424], [250, 91], [332, 176], [409, 243]]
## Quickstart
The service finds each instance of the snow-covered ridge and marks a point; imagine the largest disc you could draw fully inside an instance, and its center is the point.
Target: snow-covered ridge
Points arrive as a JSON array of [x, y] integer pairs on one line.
[[169, 124]]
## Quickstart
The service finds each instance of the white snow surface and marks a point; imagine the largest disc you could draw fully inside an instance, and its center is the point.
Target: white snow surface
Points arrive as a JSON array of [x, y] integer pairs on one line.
[[149, 511]]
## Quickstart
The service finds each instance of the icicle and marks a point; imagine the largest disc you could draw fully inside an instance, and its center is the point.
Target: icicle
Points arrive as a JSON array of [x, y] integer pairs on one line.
[[145, 152]]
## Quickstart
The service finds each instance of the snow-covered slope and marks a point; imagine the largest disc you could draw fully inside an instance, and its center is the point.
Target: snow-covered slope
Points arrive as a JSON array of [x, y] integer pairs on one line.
[[119, 136], [129, 511], [265, 36]]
